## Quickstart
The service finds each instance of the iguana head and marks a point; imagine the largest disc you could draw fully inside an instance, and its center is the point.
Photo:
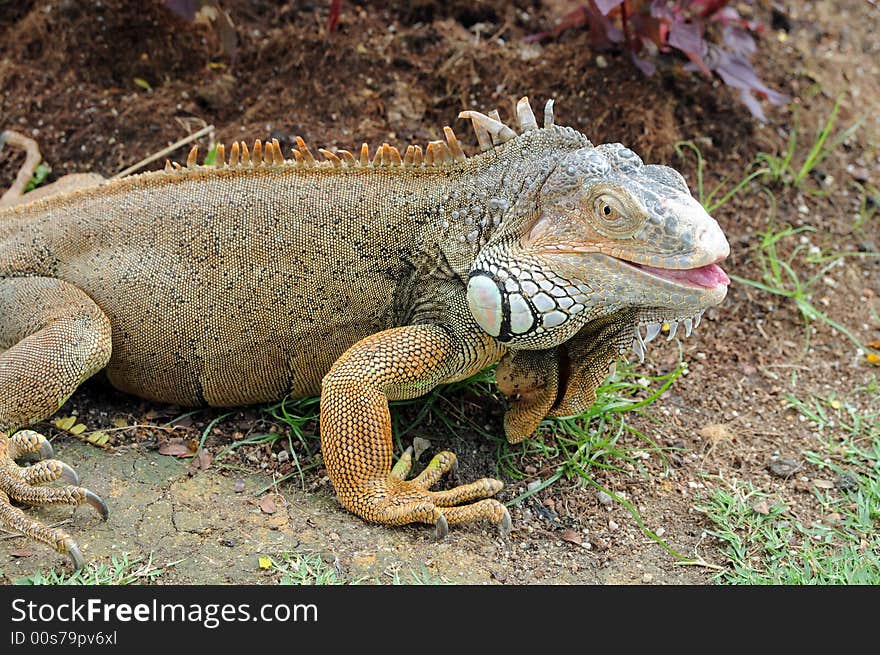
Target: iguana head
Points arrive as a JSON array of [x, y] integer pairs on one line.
[[603, 235], [597, 251]]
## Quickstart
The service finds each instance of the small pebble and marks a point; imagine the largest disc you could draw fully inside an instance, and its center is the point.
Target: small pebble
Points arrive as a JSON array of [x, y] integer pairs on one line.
[[846, 481], [604, 499], [647, 578], [783, 466]]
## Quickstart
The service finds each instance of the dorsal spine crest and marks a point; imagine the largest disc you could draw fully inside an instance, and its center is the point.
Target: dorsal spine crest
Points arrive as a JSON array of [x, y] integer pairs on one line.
[[490, 132]]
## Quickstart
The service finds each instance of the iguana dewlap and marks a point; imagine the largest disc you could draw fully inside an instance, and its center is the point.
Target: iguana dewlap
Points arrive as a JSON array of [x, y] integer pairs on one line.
[[365, 278]]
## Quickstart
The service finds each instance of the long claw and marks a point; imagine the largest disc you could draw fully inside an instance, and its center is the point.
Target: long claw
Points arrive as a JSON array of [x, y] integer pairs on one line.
[[505, 526], [441, 528], [46, 450], [95, 501], [75, 556], [69, 475]]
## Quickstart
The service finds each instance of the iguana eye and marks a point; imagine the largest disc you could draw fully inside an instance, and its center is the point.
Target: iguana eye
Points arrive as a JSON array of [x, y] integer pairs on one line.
[[608, 208], [617, 214]]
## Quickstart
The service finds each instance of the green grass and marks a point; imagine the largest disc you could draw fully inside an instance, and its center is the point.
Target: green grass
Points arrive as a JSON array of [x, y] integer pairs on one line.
[[304, 569], [780, 277], [40, 174], [782, 170], [869, 204], [580, 445], [298, 418], [766, 542], [421, 577], [311, 569], [602, 438], [122, 570], [721, 192]]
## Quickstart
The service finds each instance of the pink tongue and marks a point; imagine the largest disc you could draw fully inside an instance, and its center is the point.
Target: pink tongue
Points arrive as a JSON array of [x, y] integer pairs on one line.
[[709, 276]]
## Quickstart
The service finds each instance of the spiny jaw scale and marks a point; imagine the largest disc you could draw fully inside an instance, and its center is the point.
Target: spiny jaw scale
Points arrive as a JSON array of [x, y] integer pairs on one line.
[[652, 330]]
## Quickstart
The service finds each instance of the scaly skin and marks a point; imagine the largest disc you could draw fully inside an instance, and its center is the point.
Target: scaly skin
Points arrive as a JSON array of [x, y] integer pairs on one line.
[[363, 279]]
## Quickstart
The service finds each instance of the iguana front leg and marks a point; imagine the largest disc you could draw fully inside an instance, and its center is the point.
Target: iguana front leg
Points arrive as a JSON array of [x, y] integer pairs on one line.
[[356, 439], [560, 381], [52, 337]]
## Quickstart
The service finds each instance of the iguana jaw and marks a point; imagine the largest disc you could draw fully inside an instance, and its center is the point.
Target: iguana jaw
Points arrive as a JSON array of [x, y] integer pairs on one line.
[[710, 276]]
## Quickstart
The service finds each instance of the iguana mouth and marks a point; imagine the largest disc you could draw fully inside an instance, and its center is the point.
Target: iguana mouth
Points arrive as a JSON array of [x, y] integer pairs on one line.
[[710, 276]]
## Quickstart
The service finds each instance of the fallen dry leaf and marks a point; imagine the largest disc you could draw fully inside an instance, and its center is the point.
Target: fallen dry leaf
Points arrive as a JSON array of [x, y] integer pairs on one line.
[[21, 552], [202, 461], [824, 484], [419, 446], [177, 448], [267, 505], [572, 536], [185, 421], [762, 507], [65, 423], [716, 432]]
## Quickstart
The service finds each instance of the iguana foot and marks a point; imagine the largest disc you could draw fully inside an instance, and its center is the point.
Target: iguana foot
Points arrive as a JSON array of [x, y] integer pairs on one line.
[[18, 483], [398, 501]]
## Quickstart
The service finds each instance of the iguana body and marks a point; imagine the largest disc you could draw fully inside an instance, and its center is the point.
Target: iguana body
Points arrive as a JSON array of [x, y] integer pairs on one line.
[[363, 279]]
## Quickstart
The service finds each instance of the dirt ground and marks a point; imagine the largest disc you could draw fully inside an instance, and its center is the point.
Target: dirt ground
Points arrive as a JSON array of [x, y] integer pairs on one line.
[[102, 85]]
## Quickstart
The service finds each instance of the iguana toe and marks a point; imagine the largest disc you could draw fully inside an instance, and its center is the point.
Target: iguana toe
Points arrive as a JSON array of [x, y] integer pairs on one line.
[[28, 442], [48, 470], [19, 483]]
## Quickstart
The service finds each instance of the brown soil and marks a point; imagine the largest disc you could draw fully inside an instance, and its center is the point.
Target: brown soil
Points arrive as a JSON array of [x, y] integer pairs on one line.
[[400, 73]]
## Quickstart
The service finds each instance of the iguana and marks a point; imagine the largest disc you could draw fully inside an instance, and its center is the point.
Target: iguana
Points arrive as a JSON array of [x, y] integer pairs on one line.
[[365, 278]]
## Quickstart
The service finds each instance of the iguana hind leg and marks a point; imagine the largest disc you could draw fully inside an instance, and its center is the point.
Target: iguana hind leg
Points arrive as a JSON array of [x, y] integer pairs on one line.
[[15, 194], [356, 433], [52, 337]]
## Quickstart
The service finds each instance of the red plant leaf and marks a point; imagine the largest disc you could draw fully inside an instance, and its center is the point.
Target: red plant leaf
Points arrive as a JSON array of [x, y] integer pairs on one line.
[[602, 31], [738, 40], [605, 6], [650, 28], [687, 37], [185, 8], [647, 67], [333, 18]]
